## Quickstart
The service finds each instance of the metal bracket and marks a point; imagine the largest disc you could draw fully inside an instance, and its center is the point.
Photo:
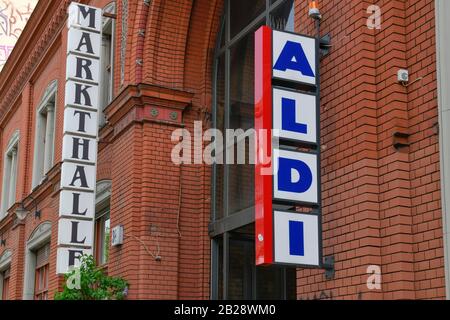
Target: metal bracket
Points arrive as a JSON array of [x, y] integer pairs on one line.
[[400, 139], [211, 228], [436, 129], [328, 265], [325, 45]]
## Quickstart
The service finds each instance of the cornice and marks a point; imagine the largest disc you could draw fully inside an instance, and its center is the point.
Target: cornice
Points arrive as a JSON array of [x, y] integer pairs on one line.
[[146, 94], [42, 29], [49, 187], [39, 33], [145, 103]]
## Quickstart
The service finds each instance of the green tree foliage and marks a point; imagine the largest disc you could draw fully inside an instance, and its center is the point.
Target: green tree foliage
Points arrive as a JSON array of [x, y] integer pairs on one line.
[[89, 282]]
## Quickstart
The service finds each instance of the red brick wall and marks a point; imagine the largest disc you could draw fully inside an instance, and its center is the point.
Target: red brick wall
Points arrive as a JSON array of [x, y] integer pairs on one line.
[[381, 205]]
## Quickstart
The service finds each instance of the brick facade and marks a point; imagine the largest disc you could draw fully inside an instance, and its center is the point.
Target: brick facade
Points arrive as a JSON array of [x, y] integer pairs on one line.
[[381, 204]]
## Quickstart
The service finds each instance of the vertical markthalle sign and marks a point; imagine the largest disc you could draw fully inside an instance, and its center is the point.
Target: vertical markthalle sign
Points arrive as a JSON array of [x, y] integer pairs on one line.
[[79, 154], [287, 174]]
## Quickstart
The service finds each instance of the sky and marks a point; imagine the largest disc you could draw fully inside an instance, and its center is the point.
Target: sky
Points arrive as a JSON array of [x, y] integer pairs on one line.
[[14, 15]]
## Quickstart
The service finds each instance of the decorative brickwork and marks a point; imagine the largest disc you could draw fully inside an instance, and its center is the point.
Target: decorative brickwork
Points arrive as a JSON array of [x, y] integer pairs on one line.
[[381, 199]]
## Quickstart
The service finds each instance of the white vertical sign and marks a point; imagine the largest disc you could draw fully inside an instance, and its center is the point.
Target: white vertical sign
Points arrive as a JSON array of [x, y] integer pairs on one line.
[[296, 175], [296, 238], [79, 156]]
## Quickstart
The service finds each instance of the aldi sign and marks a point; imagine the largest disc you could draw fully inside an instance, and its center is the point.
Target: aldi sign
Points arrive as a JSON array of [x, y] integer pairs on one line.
[[295, 177], [79, 154], [294, 115], [294, 57], [296, 238], [287, 111]]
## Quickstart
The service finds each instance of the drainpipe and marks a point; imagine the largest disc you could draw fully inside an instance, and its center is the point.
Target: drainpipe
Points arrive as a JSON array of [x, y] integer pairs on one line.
[[442, 8]]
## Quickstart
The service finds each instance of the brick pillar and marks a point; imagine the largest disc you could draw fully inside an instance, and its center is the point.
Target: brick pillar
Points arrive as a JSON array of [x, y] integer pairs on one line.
[[350, 191], [393, 131], [17, 261], [145, 189]]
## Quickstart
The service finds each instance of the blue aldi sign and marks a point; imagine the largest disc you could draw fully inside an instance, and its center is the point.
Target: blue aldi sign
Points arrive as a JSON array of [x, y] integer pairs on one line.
[[295, 176], [294, 116], [294, 57], [296, 238], [287, 237]]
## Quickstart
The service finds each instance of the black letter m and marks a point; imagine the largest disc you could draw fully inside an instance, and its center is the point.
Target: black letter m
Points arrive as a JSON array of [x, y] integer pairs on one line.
[[88, 12]]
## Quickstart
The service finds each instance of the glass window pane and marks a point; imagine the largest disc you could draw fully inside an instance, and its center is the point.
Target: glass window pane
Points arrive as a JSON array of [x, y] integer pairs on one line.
[[219, 191], [222, 35], [245, 280], [106, 238], [241, 176], [291, 284], [242, 13], [5, 292], [240, 187], [269, 283], [282, 18], [102, 237], [220, 124], [240, 280], [220, 93], [220, 268], [242, 83]]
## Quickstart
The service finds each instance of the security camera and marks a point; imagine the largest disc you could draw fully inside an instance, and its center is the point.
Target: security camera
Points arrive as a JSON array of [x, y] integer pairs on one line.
[[403, 76]]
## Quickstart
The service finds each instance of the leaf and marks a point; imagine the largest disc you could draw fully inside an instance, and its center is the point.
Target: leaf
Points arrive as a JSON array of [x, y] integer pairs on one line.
[[94, 284]]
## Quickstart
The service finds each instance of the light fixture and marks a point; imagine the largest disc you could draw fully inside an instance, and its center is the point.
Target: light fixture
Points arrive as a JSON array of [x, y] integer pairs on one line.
[[21, 212], [37, 213], [2, 241], [314, 11]]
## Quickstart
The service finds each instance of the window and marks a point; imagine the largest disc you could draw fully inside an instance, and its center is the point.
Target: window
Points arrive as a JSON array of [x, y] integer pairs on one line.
[[102, 222], [234, 273], [5, 286], [36, 270], [44, 137], [5, 269], [41, 274], [102, 230], [245, 279], [107, 59], [10, 175]]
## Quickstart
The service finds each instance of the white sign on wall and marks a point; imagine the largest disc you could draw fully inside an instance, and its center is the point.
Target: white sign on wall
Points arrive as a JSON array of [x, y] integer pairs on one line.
[[83, 42], [295, 176], [69, 256], [296, 238], [86, 121], [80, 235], [294, 57], [81, 95], [76, 204], [79, 148], [294, 115], [288, 63]]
